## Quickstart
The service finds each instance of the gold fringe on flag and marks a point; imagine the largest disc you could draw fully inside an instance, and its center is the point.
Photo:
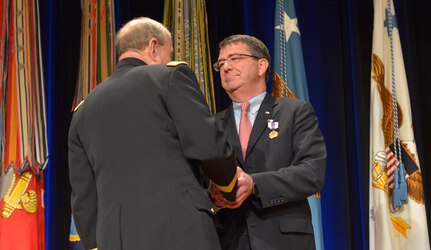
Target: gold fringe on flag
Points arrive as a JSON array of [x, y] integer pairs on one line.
[[187, 21], [97, 46], [279, 87]]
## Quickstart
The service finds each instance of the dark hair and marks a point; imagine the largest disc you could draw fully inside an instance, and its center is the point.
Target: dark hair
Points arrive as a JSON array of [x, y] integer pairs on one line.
[[255, 46]]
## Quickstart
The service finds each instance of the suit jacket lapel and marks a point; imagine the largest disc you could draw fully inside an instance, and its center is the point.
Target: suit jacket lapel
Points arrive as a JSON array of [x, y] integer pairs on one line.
[[266, 111], [229, 127]]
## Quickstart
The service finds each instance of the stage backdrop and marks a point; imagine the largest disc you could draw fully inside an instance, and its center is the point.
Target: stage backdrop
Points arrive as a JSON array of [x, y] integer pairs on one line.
[[336, 41]]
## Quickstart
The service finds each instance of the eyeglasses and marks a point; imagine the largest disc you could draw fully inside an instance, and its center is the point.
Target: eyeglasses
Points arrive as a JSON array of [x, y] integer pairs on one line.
[[231, 60]]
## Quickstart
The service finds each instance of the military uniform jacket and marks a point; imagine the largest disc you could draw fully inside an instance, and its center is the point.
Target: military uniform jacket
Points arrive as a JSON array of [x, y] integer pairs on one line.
[[135, 147], [286, 169]]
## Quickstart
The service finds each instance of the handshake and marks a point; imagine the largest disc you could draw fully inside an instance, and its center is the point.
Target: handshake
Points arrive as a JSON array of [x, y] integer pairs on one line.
[[245, 189]]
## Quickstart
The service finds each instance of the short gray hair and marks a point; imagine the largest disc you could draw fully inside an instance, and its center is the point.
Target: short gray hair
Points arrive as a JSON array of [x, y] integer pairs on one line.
[[255, 46], [137, 33]]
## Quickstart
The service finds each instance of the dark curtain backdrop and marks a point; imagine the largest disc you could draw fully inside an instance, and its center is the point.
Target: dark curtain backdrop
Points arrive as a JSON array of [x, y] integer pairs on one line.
[[336, 40]]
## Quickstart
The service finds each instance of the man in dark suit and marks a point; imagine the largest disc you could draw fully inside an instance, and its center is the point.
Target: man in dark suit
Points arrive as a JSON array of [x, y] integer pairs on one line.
[[283, 159], [136, 146]]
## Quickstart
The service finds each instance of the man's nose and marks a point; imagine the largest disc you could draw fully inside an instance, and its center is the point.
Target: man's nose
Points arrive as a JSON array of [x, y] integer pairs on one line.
[[226, 66]]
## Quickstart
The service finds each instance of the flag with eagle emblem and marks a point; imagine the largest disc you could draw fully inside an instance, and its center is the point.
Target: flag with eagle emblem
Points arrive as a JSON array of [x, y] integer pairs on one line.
[[397, 209]]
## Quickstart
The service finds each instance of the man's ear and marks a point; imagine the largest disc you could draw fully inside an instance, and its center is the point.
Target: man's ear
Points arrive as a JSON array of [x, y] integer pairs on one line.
[[152, 45], [263, 66]]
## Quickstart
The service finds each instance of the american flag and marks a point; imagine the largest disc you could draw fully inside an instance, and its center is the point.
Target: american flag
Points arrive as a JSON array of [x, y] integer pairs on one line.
[[391, 164]]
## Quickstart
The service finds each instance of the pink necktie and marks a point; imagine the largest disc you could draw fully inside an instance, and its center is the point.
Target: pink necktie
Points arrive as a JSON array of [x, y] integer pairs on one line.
[[244, 127]]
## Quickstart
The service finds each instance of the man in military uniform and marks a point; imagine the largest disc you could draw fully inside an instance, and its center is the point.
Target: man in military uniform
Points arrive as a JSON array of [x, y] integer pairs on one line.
[[135, 147]]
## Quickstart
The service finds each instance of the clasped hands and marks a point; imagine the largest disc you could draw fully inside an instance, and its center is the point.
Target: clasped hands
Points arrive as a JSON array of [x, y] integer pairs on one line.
[[245, 188]]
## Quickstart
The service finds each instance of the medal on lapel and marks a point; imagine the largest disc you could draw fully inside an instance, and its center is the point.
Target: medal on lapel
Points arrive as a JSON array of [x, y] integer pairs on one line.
[[273, 126]]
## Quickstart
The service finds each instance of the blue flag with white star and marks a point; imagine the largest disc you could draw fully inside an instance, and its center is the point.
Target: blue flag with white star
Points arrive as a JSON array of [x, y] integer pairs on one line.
[[288, 59], [289, 80]]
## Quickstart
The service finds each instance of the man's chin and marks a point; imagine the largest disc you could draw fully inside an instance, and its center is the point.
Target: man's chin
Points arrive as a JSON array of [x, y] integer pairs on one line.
[[229, 88]]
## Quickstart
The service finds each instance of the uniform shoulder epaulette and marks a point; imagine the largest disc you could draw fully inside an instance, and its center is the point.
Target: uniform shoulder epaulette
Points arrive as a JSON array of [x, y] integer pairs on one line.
[[78, 106], [175, 63]]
